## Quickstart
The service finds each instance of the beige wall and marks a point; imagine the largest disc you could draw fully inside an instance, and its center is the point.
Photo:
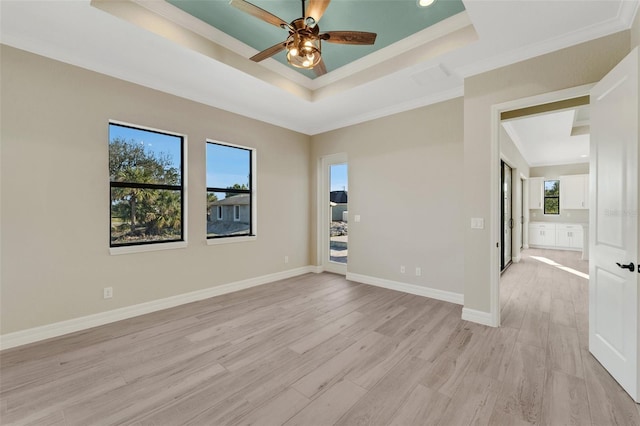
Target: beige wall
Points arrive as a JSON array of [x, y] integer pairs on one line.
[[55, 195], [578, 65], [554, 172], [635, 31], [415, 178], [406, 184]]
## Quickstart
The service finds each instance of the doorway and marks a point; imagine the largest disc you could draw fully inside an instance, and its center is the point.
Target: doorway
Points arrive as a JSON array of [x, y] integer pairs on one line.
[[521, 214], [339, 212], [499, 113], [506, 213], [333, 220]]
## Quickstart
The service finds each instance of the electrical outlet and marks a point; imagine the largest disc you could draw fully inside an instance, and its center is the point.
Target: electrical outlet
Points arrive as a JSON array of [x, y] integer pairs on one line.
[[107, 292], [286, 259], [418, 272], [402, 269]]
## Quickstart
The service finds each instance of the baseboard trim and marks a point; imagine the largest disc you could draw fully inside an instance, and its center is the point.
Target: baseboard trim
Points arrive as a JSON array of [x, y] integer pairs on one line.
[[433, 293], [480, 317], [316, 269], [31, 335]]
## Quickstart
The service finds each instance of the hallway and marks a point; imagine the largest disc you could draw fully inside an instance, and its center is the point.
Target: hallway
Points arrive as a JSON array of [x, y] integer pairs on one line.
[[544, 302]]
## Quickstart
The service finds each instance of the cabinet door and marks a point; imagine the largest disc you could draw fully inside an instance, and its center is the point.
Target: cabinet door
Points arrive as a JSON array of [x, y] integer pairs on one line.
[[535, 192], [549, 236], [535, 238], [563, 237], [577, 237], [574, 192]]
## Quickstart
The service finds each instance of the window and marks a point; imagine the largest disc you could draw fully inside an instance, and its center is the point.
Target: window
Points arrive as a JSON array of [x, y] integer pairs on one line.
[[147, 191], [551, 197], [230, 190]]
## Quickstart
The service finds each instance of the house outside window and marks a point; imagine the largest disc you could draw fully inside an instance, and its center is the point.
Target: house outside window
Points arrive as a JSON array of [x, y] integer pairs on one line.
[[146, 185], [230, 191], [552, 197]]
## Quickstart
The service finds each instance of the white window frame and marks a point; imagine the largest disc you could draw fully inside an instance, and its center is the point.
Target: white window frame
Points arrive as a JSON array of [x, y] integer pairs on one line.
[[219, 213], [236, 213]]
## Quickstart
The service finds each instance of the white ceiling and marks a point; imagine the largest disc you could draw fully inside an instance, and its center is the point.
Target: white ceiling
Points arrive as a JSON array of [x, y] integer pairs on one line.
[[546, 139], [75, 32]]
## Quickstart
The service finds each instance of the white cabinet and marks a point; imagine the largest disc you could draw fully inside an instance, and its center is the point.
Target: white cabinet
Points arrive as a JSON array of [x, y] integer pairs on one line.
[[535, 192], [542, 234], [562, 236], [569, 236], [574, 192]]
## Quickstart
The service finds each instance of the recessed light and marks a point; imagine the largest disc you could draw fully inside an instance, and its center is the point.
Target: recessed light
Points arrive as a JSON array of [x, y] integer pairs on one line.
[[584, 156], [425, 3]]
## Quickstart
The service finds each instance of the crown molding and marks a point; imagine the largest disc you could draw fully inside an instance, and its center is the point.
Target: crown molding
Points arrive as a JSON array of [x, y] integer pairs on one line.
[[441, 29], [622, 21], [190, 22], [382, 58]]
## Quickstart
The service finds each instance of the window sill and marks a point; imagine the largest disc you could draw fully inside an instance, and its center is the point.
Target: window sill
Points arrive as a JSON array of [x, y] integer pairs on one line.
[[230, 240], [149, 247]]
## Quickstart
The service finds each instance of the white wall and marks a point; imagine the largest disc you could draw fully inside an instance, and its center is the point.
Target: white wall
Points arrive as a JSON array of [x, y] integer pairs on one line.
[[55, 195], [405, 181]]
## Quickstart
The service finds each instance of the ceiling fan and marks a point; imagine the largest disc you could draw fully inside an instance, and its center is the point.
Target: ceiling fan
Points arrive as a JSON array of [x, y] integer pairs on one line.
[[304, 43]]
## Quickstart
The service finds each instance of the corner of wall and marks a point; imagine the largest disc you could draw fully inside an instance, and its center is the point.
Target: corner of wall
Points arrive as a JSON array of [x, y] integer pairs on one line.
[[634, 32]]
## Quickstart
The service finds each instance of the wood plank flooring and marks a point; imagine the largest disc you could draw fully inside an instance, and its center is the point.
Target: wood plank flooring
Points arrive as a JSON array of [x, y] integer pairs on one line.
[[320, 350]]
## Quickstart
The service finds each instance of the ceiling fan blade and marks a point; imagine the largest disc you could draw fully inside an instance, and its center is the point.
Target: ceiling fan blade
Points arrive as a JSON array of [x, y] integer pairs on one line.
[[269, 52], [320, 68], [349, 37], [316, 9], [259, 13]]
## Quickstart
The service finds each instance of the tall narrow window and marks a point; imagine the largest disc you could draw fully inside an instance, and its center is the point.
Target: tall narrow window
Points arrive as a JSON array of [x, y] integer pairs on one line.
[[147, 191], [551, 197], [230, 190]]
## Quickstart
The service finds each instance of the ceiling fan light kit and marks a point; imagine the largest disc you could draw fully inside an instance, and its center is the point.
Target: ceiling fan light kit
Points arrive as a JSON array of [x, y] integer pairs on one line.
[[425, 3], [303, 46], [304, 43]]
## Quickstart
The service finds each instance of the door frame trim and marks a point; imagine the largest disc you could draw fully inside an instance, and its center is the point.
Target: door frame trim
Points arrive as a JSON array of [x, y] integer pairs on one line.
[[504, 160], [494, 166]]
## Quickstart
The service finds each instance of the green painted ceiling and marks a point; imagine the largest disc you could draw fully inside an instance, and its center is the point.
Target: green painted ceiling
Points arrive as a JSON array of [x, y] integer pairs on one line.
[[392, 20]]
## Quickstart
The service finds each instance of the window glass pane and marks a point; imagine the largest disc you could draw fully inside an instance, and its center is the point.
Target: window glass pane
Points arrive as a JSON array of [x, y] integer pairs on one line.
[[552, 205], [228, 167], [235, 214], [551, 188], [144, 156], [145, 215]]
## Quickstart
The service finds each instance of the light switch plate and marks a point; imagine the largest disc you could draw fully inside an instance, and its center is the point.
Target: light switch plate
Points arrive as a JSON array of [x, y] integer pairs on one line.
[[477, 223]]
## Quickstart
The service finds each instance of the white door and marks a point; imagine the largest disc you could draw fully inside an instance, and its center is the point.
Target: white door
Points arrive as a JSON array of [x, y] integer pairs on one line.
[[613, 291]]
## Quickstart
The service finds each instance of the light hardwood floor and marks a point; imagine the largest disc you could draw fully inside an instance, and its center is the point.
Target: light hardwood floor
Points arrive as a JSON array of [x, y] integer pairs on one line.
[[320, 350]]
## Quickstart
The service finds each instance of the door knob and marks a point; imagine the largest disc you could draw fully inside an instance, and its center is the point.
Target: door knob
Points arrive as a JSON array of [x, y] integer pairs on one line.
[[631, 267]]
